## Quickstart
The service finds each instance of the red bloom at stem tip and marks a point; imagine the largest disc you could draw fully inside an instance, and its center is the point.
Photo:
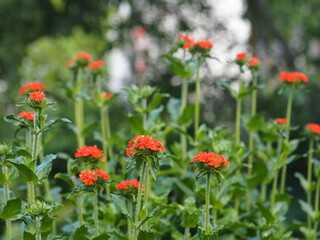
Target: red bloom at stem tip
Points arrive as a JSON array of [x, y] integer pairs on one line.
[[96, 64], [241, 56], [281, 121], [26, 115], [292, 77], [190, 42], [37, 96], [211, 159], [313, 127], [254, 61], [84, 56], [206, 44], [35, 86], [128, 184], [141, 142], [101, 173], [106, 95], [89, 151], [88, 177]]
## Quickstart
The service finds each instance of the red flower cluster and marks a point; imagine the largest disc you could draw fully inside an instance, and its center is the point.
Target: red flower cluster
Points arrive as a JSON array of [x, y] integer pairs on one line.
[[96, 64], [90, 177], [89, 151], [241, 56], [128, 184], [211, 159], [313, 127], [190, 42], [141, 142], [106, 95], [34, 86], [37, 96], [84, 56], [139, 32], [254, 62], [26, 115], [292, 77], [281, 120]]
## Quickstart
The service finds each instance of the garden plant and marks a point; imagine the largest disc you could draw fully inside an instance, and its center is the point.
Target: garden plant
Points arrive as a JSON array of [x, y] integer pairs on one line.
[[171, 176]]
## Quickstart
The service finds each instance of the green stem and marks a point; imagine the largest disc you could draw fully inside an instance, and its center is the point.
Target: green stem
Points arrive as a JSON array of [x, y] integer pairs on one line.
[[7, 198], [38, 227], [276, 176], [316, 208], [207, 204], [197, 105], [78, 110], [146, 194], [96, 213], [139, 200], [108, 132], [130, 208], [263, 191], [183, 138], [251, 136], [80, 209], [288, 116], [309, 177], [186, 233]]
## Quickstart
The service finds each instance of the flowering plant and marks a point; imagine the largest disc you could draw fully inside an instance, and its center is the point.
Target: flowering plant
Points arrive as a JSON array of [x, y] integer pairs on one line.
[[90, 155]]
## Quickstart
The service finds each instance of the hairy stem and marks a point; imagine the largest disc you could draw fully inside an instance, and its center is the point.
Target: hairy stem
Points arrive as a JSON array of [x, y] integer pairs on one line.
[[316, 208], [309, 177], [38, 227], [7, 198], [183, 138], [275, 180], [96, 213], [129, 231], [197, 105]]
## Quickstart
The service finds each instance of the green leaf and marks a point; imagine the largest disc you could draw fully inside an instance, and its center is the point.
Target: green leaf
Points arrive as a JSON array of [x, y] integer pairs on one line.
[[155, 212], [307, 209], [181, 69], [156, 100], [66, 178], [266, 213], [81, 233], [228, 87], [30, 225], [26, 174], [46, 224], [136, 124], [143, 235], [255, 123], [44, 169], [28, 236], [121, 203], [15, 118], [303, 181], [50, 123], [103, 236], [11, 209], [186, 117]]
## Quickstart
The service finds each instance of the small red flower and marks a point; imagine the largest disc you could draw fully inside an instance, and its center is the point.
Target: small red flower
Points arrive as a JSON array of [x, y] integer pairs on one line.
[[89, 151], [281, 121], [26, 115], [101, 173], [139, 32], [37, 96], [88, 177], [141, 142], [106, 95], [84, 56], [70, 63], [35, 86], [96, 64], [211, 159], [254, 62], [128, 184], [241, 56], [189, 42], [292, 77], [313, 127], [206, 44]]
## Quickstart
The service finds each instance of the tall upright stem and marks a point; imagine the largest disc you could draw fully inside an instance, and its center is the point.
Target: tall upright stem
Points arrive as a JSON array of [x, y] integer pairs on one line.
[[251, 136], [108, 132], [237, 138], [309, 177], [208, 204], [78, 110], [197, 104], [146, 192], [316, 208], [96, 213], [38, 228], [183, 138], [129, 231], [139, 200], [7, 198], [288, 116], [275, 180]]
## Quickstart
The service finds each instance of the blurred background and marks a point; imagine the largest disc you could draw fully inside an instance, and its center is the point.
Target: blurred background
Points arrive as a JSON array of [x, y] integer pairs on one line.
[[38, 37]]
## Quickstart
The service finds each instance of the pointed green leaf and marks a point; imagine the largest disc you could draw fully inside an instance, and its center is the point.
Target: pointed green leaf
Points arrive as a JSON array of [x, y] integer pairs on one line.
[[136, 124], [156, 100], [121, 203], [155, 212], [81, 233], [11, 209], [26, 174], [66, 178], [44, 169]]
